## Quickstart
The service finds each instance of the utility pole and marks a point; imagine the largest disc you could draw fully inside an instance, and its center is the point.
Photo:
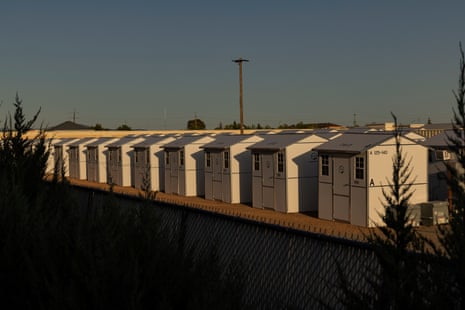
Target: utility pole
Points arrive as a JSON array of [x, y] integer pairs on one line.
[[241, 107]]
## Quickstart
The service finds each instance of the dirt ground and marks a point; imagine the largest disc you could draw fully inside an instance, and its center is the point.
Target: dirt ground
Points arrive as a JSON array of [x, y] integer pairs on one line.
[[305, 222]]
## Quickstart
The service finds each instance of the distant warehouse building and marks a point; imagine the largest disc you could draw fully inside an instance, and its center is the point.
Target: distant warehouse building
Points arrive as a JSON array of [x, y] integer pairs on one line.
[[355, 169]]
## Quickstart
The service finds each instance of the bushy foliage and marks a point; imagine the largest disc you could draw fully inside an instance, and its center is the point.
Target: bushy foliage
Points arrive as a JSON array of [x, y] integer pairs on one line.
[[196, 124], [58, 252], [124, 127]]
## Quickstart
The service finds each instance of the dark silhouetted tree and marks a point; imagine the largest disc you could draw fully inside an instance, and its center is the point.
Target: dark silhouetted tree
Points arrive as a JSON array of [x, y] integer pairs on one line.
[[196, 124], [124, 127], [453, 238]]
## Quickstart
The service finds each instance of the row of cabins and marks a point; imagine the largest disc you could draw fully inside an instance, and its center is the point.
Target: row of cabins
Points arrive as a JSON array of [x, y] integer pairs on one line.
[[341, 176]]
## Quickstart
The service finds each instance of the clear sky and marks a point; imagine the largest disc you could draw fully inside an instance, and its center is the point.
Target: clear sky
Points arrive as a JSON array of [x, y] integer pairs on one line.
[[157, 64]]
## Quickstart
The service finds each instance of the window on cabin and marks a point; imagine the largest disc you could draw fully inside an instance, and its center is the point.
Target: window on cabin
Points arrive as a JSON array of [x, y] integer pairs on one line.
[[147, 156], [280, 162], [226, 160], [359, 168], [208, 159], [256, 161], [325, 165], [167, 158]]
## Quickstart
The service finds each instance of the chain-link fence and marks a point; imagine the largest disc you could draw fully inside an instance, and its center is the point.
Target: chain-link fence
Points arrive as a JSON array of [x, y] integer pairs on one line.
[[280, 268]]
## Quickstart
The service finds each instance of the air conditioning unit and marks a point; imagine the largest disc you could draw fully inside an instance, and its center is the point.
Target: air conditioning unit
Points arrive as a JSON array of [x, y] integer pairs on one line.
[[442, 155], [434, 212]]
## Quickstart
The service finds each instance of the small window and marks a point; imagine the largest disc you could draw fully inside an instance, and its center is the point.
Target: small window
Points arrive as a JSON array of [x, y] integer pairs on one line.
[[280, 162], [208, 159], [147, 156], [256, 161], [359, 168], [181, 158], [119, 155], [226, 160], [325, 165], [110, 153], [167, 158], [136, 156]]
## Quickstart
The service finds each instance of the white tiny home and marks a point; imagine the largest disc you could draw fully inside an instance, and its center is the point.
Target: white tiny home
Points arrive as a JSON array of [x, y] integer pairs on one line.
[[184, 165], [60, 154], [285, 172], [439, 156], [96, 161], [149, 164], [51, 155], [355, 169], [228, 168], [77, 151], [119, 158]]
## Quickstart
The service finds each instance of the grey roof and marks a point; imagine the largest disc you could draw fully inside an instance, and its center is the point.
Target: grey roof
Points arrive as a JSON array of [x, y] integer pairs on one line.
[[152, 140], [439, 140], [295, 131], [353, 143], [361, 130], [443, 126], [225, 141], [101, 141], [124, 141], [278, 141], [81, 141], [328, 135], [183, 141], [64, 141]]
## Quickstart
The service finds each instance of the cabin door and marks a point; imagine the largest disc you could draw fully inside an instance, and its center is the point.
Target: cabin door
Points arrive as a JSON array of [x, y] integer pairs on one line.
[[341, 189], [268, 181], [174, 168], [217, 177]]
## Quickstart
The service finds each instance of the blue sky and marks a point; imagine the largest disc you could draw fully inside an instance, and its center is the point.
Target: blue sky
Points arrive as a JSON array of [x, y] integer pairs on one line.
[[156, 64]]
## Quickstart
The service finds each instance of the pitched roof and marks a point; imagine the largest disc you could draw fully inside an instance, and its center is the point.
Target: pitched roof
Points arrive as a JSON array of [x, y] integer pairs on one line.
[[224, 142], [153, 140], [280, 141], [353, 143], [68, 125], [186, 140], [439, 140], [124, 141]]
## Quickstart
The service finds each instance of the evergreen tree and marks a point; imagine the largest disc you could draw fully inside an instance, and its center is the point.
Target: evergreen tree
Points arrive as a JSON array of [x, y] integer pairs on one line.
[[196, 124], [453, 239], [22, 160], [401, 281]]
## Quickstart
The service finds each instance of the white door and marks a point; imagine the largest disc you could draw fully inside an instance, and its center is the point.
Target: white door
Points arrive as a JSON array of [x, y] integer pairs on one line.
[[268, 180], [341, 189], [217, 177]]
